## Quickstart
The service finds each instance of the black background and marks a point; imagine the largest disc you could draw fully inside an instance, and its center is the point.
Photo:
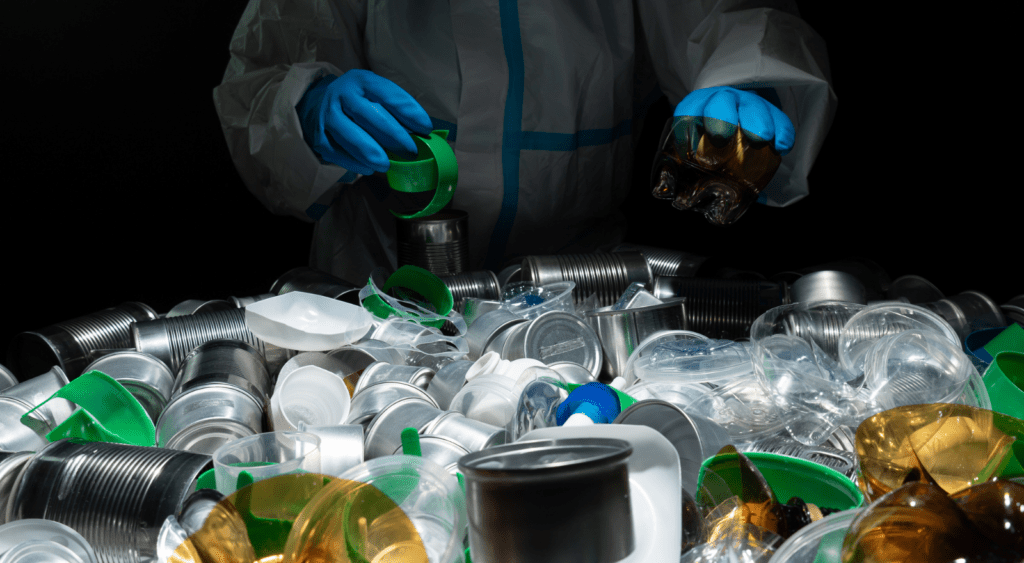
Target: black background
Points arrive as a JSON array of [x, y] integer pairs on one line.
[[119, 186]]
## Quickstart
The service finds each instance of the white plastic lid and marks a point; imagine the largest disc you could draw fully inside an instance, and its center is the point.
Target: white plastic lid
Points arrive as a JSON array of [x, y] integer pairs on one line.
[[307, 322]]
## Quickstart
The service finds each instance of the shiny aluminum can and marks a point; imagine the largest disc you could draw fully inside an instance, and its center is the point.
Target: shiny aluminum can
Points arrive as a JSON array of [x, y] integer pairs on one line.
[[468, 433], [202, 419], [310, 280], [384, 433], [375, 398], [117, 496], [606, 274], [144, 376], [622, 331], [225, 361], [172, 340], [556, 337], [379, 372], [68, 344]]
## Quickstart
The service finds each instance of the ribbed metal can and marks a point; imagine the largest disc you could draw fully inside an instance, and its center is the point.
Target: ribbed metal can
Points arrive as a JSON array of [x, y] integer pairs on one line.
[[606, 274], [311, 280], [171, 340], [117, 496], [722, 308], [481, 284], [438, 243], [68, 344], [664, 261], [225, 361]]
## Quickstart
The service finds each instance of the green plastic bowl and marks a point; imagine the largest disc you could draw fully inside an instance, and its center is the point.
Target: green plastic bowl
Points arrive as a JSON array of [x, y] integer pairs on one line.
[[791, 477]]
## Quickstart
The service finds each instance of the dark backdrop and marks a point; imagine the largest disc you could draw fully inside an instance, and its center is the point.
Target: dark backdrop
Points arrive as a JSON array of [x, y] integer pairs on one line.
[[119, 186]]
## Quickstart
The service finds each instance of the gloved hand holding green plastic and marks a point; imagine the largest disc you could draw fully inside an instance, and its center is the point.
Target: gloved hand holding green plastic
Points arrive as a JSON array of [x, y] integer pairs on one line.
[[350, 120]]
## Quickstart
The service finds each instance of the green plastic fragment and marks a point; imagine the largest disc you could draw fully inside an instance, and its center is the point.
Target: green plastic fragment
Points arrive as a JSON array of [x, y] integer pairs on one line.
[[106, 412], [433, 168]]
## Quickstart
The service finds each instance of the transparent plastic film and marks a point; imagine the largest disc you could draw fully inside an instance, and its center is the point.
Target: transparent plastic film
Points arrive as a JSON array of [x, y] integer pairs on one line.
[[713, 167]]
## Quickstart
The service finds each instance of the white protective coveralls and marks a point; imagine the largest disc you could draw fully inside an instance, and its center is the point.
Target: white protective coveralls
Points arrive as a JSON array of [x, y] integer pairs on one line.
[[544, 100]]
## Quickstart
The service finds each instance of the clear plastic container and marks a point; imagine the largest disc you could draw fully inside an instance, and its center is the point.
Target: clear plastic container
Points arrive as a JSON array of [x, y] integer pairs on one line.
[[803, 384], [819, 322], [36, 540], [647, 347], [531, 301], [915, 366], [264, 456], [865, 328], [426, 495], [701, 361]]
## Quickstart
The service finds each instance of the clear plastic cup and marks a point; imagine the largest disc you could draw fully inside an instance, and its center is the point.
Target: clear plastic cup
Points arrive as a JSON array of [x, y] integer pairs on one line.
[[265, 455], [695, 360], [310, 395], [38, 540], [425, 501], [531, 301], [872, 323], [803, 384], [651, 343], [819, 322], [915, 366]]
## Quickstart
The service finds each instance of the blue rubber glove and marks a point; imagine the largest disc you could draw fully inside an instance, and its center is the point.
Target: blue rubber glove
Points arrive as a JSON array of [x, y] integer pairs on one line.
[[350, 119], [757, 117]]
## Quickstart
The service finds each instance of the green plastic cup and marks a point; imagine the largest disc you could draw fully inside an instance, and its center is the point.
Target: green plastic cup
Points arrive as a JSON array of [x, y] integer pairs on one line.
[[790, 477], [1004, 380]]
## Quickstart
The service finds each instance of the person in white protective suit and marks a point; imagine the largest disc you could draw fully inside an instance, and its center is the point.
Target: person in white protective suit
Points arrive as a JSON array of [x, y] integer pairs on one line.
[[544, 100]]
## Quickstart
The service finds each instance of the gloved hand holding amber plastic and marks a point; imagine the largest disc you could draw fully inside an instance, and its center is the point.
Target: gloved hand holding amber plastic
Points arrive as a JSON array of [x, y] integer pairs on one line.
[[720, 150]]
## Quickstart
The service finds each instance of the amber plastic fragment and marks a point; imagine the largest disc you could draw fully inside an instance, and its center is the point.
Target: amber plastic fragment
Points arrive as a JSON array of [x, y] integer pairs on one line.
[[951, 446], [920, 523], [716, 174]]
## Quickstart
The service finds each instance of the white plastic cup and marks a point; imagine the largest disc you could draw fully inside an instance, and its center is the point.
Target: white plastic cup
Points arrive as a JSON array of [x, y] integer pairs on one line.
[[310, 395], [264, 456]]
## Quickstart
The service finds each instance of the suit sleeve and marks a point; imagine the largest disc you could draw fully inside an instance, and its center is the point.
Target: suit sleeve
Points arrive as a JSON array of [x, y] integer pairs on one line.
[[748, 44], [278, 49]]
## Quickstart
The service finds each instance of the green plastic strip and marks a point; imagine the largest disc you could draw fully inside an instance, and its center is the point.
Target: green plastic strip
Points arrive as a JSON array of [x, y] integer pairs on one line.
[[417, 175], [106, 412], [411, 442], [419, 280], [1010, 340]]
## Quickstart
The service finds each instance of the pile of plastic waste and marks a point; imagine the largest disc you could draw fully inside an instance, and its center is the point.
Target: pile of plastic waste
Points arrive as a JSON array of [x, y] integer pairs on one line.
[[397, 421]]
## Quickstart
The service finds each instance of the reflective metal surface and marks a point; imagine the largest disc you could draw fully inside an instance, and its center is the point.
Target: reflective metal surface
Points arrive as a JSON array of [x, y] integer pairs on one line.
[[437, 243], [68, 344], [606, 274], [116, 496], [622, 331]]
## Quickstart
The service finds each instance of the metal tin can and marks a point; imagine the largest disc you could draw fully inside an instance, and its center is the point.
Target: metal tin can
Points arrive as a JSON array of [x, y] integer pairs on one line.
[[144, 376], [375, 398], [225, 361], [68, 344], [384, 433], [468, 433], [202, 419], [117, 496], [622, 331], [540, 501]]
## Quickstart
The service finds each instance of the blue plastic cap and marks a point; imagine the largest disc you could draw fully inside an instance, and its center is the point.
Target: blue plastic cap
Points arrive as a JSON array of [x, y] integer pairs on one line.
[[596, 400]]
